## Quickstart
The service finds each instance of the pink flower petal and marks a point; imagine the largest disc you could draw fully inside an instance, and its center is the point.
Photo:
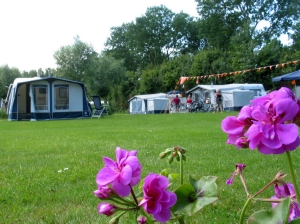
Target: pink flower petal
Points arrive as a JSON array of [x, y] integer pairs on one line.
[[163, 216], [232, 125], [121, 189], [106, 176], [287, 133], [126, 174], [108, 162]]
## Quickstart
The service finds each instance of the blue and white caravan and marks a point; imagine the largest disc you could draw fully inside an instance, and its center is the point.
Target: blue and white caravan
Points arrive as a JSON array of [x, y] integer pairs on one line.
[[46, 99]]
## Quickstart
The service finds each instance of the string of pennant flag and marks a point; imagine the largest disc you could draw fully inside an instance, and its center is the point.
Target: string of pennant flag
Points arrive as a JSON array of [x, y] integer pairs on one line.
[[221, 75]]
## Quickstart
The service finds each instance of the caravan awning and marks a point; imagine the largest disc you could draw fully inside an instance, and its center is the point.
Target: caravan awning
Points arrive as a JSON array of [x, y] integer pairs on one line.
[[287, 77]]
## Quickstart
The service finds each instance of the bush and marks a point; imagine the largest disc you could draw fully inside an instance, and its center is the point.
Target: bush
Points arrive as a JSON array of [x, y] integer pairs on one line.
[[3, 114]]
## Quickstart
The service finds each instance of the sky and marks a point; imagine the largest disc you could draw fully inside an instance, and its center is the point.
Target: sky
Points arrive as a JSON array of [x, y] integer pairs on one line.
[[33, 30]]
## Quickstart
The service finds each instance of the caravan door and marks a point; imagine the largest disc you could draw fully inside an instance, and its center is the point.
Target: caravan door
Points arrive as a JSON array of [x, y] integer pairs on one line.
[[23, 102]]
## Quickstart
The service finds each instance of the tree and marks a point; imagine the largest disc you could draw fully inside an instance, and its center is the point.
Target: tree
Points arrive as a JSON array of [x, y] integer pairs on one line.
[[186, 34], [7, 76], [77, 61], [222, 18], [151, 81], [154, 38], [296, 37], [210, 64], [172, 70], [108, 73], [154, 35], [122, 46]]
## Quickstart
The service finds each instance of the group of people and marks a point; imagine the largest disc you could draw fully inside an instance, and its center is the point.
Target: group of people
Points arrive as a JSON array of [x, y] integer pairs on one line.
[[189, 101]]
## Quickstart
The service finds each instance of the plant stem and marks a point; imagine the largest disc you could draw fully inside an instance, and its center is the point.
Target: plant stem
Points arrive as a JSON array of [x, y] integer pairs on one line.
[[181, 167], [244, 210], [264, 188], [293, 175], [181, 220], [122, 202], [133, 195], [147, 216], [244, 184]]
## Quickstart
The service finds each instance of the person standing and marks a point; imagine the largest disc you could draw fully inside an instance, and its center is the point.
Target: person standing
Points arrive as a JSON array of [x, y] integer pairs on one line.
[[189, 103], [219, 101], [176, 101]]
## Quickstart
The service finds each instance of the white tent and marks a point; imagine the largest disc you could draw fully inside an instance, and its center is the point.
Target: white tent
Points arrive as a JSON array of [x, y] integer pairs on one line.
[[46, 99], [235, 96], [149, 103]]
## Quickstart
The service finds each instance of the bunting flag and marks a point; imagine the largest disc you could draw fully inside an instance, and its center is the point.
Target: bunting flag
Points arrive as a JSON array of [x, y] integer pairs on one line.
[[221, 75]]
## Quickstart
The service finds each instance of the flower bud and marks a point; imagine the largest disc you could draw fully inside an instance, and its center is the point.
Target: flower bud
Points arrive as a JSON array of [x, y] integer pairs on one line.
[[114, 220], [142, 220], [176, 148], [106, 209], [103, 192], [239, 167], [279, 176], [170, 159], [162, 155]]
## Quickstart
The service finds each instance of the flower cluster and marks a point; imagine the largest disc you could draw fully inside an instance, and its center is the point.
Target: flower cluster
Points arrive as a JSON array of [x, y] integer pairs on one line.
[[268, 124], [157, 200], [122, 174], [116, 179]]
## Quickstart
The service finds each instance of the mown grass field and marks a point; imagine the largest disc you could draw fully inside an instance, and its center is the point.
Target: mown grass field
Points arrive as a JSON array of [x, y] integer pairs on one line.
[[48, 168]]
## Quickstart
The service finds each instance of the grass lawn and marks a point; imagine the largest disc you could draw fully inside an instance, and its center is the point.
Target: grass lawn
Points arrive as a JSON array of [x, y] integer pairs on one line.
[[48, 168]]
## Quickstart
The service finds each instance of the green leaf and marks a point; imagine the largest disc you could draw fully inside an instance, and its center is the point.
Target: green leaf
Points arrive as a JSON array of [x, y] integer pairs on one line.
[[278, 214], [295, 221], [165, 172], [193, 197], [173, 176], [206, 185]]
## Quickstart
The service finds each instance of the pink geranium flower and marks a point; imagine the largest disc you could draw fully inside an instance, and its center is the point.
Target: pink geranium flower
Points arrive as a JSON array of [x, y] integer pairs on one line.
[[157, 200], [282, 93], [122, 173], [267, 124], [287, 190], [273, 131], [236, 127]]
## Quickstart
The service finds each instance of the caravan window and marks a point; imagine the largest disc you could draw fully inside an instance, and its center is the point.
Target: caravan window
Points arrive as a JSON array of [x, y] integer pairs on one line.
[[40, 97], [61, 97]]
